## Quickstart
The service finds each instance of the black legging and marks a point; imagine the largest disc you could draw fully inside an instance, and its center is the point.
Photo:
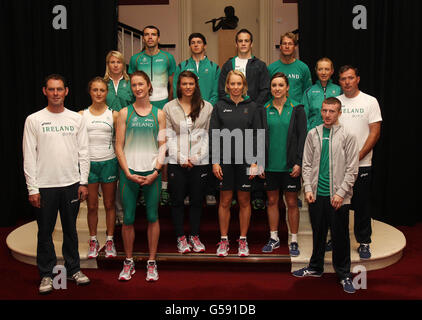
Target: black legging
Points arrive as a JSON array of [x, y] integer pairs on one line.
[[191, 182]]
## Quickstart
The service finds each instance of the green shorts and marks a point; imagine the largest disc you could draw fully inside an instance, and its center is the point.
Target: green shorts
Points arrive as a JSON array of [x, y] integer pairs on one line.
[[129, 192], [103, 171], [159, 104]]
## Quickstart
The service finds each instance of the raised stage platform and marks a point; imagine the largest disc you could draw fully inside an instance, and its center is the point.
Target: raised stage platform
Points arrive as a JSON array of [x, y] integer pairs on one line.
[[387, 242]]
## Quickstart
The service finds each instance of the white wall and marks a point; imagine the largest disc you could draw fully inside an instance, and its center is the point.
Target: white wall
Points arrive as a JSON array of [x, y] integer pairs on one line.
[[165, 17], [285, 19], [203, 10]]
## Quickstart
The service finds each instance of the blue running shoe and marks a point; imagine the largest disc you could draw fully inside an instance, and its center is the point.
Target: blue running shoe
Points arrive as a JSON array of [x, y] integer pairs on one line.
[[364, 252], [306, 272], [348, 285], [294, 249], [271, 245]]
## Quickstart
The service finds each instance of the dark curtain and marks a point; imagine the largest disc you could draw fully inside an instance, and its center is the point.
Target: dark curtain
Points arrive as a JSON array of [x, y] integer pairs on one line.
[[31, 49], [388, 54]]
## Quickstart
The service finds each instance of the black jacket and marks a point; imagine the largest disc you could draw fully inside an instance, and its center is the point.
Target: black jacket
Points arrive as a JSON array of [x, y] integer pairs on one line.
[[257, 77], [296, 136], [227, 115]]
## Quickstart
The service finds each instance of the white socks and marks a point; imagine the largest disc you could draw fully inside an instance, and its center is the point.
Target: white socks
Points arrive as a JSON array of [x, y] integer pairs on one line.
[[164, 184], [274, 235], [294, 237]]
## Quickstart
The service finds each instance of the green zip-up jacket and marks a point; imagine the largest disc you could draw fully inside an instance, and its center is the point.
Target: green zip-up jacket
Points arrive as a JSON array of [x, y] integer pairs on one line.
[[344, 161], [208, 74], [120, 99], [313, 98]]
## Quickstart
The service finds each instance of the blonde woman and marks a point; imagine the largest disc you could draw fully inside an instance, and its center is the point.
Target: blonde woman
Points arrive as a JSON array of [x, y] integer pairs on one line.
[[119, 93], [232, 113]]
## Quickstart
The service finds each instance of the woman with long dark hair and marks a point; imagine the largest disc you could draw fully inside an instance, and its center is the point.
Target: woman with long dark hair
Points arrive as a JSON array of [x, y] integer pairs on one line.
[[285, 123], [187, 123]]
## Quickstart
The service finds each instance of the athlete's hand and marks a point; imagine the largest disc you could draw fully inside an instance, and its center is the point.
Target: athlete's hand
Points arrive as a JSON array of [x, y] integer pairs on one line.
[[309, 196], [253, 171], [295, 171], [336, 201], [149, 179], [136, 178], [82, 193], [35, 200], [218, 172]]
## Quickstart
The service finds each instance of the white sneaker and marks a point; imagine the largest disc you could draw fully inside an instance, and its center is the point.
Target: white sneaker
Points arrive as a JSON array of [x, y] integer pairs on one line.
[[46, 285], [152, 272], [110, 249], [182, 245], [223, 248], [210, 200], [243, 248], [196, 244], [94, 247], [128, 271], [80, 278]]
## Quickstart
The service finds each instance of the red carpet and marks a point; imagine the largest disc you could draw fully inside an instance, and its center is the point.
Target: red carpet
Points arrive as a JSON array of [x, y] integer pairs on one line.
[[191, 281]]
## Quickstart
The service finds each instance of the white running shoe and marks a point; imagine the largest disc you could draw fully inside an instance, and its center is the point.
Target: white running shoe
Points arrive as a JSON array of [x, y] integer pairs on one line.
[[152, 272], [243, 248], [223, 248], [183, 245], [94, 247], [128, 271], [46, 285], [110, 249], [196, 244], [80, 278]]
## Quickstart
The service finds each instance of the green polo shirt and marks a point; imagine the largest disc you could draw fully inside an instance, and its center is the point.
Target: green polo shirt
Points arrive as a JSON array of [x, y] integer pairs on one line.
[[324, 165], [278, 127], [298, 74]]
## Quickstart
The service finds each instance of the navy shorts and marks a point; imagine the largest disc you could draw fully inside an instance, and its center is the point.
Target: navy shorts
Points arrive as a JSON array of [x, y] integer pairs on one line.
[[282, 181], [235, 178]]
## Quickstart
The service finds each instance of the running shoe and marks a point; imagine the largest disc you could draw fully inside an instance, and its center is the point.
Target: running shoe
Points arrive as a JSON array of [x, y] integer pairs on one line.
[[46, 285], [223, 248], [80, 278], [306, 272], [182, 245], [294, 249], [243, 250], [94, 247], [271, 245], [128, 270], [110, 249], [364, 251], [152, 272], [196, 244], [348, 285]]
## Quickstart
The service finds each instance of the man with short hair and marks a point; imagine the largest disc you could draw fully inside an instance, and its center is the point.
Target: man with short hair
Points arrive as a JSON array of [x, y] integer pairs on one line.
[[297, 71], [258, 80], [361, 115], [207, 71], [329, 170], [56, 166], [159, 66], [253, 68]]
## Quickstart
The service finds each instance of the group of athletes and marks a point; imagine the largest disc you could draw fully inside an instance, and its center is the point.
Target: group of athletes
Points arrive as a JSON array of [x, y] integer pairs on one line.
[[144, 131]]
